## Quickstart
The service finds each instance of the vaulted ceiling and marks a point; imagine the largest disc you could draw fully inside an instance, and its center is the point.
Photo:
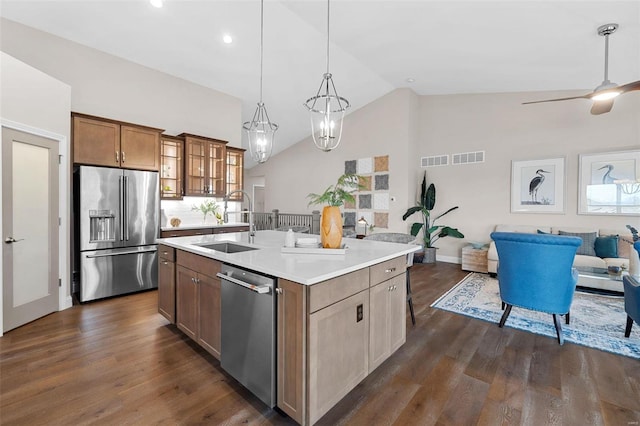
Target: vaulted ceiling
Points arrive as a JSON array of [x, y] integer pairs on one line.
[[444, 47]]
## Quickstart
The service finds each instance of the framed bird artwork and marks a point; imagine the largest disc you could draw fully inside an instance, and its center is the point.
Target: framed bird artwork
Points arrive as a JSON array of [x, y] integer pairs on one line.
[[538, 186], [610, 183]]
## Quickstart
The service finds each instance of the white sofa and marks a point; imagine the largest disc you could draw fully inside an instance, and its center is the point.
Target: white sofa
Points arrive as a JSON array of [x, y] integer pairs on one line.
[[580, 260]]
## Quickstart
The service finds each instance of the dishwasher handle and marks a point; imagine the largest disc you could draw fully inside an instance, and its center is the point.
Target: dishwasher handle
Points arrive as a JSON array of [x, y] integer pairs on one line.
[[263, 289]]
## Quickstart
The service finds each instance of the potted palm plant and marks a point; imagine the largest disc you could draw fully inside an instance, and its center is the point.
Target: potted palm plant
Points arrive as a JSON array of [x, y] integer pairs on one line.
[[430, 231], [335, 196]]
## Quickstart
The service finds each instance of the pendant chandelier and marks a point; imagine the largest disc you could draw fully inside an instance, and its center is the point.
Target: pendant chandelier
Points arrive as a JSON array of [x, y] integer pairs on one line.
[[260, 130], [327, 109]]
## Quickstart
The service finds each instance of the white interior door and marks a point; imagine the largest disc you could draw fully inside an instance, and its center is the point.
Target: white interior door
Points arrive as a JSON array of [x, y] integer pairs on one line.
[[30, 227]]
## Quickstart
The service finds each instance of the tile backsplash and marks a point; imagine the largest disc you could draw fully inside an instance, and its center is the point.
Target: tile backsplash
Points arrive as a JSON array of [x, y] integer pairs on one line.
[[182, 209]]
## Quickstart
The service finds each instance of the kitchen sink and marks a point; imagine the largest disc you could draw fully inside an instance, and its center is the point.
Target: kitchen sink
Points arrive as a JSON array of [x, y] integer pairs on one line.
[[227, 247]]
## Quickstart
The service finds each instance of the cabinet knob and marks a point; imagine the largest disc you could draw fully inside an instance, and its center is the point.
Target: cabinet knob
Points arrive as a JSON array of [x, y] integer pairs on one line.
[[165, 262], [279, 291], [117, 157], [390, 270], [165, 253], [123, 156]]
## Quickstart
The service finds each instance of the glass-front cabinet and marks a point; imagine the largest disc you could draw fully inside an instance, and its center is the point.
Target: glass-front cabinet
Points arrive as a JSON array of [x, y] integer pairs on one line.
[[171, 163], [235, 171], [205, 166]]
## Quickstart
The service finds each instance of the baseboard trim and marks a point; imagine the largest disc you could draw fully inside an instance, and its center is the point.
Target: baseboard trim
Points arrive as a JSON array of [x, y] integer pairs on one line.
[[449, 259]]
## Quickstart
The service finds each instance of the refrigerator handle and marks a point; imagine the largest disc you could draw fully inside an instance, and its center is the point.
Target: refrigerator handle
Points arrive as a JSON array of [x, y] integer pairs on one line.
[[121, 202], [126, 208]]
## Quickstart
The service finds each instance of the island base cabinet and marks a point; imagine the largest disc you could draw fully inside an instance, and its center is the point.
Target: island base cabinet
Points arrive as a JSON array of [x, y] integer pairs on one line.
[[198, 300], [333, 373], [291, 359], [388, 324], [187, 301]]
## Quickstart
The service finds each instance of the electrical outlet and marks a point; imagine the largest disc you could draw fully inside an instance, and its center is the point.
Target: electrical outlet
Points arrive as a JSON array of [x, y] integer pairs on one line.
[[359, 313]]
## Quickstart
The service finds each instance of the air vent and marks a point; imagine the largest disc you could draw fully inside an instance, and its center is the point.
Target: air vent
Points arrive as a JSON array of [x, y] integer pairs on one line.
[[468, 157], [434, 161]]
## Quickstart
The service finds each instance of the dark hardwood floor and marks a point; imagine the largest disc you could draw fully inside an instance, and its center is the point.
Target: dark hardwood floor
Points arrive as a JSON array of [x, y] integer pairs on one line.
[[117, 362]]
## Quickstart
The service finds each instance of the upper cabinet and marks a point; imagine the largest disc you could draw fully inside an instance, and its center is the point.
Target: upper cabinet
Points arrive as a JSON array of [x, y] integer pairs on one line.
[[205, 166], [102, 142], [171, 165], [235, 172]]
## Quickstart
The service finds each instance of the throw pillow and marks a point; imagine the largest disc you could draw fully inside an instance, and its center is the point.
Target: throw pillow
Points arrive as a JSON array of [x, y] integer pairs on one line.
[[588, 241], [606, 246]]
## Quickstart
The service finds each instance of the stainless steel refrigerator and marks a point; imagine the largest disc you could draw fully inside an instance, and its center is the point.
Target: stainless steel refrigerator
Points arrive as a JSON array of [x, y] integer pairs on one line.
[[116, 214]]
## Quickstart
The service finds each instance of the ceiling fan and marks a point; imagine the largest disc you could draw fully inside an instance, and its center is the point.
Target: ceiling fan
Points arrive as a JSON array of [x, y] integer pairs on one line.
[[606, 92]]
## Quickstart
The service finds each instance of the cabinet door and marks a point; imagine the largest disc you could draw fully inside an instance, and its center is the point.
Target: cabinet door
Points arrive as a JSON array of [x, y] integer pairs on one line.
[[216, 169], [96, 142], [139, 148], [171, 161], [338, 352], [235, 172], [388, 319], [195, 164], [397, 313], [290, 350], [209, 319], [167, 289], [187, 301], [379, 324]]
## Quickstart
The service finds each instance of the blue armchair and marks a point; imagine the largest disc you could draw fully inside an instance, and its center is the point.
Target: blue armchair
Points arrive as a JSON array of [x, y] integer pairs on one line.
[[632, 297], [535, 272]]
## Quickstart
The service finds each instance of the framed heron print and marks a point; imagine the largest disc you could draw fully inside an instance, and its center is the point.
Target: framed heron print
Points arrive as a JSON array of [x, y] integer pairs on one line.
[[537, 186], [610, 183]]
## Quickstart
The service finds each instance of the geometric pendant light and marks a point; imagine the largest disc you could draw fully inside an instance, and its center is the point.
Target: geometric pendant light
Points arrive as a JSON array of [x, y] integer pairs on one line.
[[327, 109], [260, 130]]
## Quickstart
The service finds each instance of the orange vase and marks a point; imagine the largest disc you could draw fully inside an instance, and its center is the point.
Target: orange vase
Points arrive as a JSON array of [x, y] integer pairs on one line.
[[331, 227]]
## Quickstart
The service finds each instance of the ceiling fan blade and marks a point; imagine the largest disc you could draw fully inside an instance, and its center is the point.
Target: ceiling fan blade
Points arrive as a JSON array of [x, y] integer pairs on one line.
[[629, 87], [555, 100], [601, 107]]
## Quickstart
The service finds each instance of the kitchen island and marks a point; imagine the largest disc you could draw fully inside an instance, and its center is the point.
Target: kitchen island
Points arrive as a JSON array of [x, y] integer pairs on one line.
[[338, 316]]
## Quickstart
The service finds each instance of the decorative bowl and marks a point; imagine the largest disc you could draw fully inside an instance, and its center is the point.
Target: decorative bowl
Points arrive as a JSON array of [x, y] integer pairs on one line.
[[477, 246]]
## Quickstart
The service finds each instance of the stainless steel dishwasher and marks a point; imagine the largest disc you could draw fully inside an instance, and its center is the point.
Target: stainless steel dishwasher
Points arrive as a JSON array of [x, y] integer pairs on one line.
[[248, 341]]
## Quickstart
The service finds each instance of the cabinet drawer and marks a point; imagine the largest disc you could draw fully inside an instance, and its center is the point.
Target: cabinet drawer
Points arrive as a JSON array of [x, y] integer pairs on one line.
[[185, 232], [167, 253], [331, 291], [388, 269], [202, 264], [228, 229]]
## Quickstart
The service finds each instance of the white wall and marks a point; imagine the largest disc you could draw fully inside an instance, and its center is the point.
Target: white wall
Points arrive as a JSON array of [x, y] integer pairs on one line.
[[110, 87], [379, 128], [35, 102], [407, 127], [507, 130]]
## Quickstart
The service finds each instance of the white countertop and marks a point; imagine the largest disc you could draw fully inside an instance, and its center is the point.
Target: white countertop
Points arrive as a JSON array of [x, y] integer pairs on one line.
[[183, 226], [305, 269]]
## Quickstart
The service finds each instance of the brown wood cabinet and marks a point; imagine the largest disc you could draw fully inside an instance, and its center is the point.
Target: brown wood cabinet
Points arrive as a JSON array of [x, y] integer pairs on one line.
[[103, 142], [167, 283], [185, 232], [205, 166], [171, 167], [338, 354], [291, 356], [388, 309], [235, 172], [198, 300]]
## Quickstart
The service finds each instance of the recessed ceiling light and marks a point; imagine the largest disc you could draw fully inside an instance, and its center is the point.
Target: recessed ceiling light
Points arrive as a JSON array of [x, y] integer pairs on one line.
[[227, 39], [410, 80], [156, 3]]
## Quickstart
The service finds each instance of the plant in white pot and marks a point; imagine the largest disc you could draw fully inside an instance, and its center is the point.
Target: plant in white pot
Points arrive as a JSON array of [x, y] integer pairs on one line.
[[335, 196], [430, 231]]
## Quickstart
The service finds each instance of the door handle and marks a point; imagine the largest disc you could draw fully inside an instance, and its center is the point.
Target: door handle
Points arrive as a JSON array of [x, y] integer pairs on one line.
[[11, 240]]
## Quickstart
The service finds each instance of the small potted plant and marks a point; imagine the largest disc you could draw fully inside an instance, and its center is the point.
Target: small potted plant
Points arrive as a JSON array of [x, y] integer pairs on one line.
[[335, 196], [430, 231], [206, 207]]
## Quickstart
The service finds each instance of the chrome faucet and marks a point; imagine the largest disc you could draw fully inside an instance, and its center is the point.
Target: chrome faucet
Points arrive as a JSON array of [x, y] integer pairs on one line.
[[252, 232]]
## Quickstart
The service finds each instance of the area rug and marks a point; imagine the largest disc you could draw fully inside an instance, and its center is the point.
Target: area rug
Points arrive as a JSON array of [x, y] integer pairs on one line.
[[596, 321]]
